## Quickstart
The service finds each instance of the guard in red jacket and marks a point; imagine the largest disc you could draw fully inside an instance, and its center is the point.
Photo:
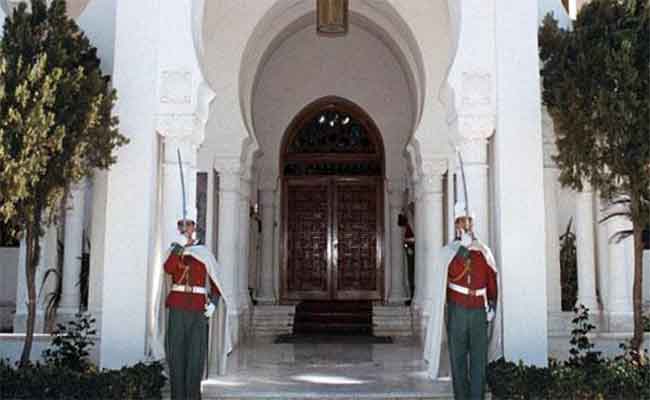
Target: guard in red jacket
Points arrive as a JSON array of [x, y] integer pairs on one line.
[[192, 293], [471, 303]]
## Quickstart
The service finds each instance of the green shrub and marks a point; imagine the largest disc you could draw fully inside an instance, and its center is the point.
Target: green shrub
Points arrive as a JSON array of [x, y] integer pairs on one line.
[[68, 373], [585, 375]]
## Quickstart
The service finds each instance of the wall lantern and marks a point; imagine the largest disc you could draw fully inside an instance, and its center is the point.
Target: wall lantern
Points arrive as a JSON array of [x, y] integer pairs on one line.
[[332, 17]]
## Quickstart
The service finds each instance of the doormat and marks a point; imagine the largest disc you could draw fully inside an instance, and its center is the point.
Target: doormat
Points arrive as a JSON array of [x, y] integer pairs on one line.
[[332, 339]]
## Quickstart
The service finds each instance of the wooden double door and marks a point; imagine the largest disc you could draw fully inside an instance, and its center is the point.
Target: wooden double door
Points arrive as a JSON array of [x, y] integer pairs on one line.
[[333, 233]]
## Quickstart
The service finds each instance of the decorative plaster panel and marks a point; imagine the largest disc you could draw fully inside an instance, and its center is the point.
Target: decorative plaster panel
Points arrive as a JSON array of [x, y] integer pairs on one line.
[[477, 89], [176, 87], [176, 125], [476, 125]]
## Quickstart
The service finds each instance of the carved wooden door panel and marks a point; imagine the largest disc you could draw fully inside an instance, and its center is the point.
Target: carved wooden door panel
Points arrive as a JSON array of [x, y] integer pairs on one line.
[[356, 239], [307, 244]]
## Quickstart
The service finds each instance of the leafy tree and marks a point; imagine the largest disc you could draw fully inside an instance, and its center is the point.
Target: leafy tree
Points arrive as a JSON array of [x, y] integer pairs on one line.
[[595, 86], [56, 125]]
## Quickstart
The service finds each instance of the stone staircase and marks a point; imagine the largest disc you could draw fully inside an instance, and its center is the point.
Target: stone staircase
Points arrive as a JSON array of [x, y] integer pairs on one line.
[[392, 321], [272, 320], [334, 318]]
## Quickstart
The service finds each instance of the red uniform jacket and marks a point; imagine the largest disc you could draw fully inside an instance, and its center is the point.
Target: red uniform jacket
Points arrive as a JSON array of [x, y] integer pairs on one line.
[[196, 276], [480, 275]]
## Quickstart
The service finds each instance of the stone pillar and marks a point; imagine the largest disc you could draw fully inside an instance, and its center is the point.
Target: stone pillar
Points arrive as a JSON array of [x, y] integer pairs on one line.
[[266, 293], [429, 192], [551, 174], [474, 152], [244, 236], [586, 249], [618, 308], [163, 94], [229, 218], [398, 293], [419, 222], [73, 247], [519, 184], [602, 248]]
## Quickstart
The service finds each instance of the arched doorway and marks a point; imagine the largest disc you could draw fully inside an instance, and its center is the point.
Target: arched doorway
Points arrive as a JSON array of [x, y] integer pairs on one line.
[[332, 166]]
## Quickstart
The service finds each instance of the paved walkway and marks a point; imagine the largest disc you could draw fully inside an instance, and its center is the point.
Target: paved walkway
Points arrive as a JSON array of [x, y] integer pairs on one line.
[[263, 370]]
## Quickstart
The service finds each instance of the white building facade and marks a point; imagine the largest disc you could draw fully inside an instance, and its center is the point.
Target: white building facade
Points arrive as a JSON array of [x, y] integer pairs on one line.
[[231, 84]]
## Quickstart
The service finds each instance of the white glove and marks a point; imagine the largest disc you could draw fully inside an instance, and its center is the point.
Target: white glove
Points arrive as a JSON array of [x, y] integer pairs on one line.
[[209, 309], [491, 314]]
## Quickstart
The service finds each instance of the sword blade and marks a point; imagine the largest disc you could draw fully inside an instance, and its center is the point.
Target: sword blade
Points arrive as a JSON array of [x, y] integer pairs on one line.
[[462, 173], [180, 169]]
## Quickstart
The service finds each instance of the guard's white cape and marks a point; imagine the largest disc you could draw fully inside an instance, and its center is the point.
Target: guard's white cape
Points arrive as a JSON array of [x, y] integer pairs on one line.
[[434, 332], [220, 340]]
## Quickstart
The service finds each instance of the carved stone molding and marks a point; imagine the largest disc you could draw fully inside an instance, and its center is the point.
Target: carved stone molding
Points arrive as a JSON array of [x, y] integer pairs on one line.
[[245, 190], [228, 165], [176, 125], [229, 170], [430, 180], [474, 151], [176, 87], [435, 167], [476, 126], [476, 89]]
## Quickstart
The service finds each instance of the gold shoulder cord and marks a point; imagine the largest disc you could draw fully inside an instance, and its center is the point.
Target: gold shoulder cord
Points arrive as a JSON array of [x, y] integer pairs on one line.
[[465, 271]]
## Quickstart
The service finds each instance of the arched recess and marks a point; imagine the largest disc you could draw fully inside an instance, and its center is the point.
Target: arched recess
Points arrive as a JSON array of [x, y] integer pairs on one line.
[[332, 164], [238, 38]]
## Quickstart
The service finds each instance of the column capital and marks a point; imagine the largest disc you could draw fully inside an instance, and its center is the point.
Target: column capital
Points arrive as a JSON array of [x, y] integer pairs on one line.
[[229, 170], [474, 150], [244, 189], [430, 180], [267, 198], [476, 125]]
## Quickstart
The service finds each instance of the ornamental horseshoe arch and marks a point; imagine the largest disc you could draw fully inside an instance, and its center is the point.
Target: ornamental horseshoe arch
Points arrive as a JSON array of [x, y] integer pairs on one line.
[[332, 167]]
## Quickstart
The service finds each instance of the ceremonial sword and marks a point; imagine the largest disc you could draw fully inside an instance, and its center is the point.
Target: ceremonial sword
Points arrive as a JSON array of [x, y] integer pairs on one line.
[[180, 168]]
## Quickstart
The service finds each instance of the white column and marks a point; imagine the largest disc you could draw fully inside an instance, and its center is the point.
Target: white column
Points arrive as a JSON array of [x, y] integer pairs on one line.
[[73, 247], [573, 9], [229, 204], [130, 188], [431, 241], [474, 153], [619, 305], [519, 181], [397, 266], [244, 236], [551, 174], [586, 249], [266, 294], [602, 253], [420, 266]]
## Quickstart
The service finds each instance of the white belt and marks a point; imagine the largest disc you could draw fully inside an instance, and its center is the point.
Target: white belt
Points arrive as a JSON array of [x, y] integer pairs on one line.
[[188, 289], [470, 292], [467, 291]]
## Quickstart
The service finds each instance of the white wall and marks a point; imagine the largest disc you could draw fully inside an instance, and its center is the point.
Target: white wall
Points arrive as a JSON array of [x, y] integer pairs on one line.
[[8, 282], [11, 347]]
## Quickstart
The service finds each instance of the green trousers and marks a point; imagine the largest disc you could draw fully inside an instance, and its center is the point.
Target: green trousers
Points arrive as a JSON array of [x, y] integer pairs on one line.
[[187, 346], [468, 344]]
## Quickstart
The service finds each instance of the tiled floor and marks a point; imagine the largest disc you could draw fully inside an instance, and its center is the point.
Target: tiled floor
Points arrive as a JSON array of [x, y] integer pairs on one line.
[[263, 370]]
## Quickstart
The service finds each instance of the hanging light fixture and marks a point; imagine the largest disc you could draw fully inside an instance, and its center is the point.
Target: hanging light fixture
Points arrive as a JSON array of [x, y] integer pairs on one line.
[[332, 16]]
